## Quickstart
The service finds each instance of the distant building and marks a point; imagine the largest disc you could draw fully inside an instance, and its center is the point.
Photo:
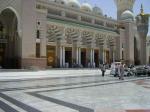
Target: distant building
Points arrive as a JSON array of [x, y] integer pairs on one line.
[[65, 33]]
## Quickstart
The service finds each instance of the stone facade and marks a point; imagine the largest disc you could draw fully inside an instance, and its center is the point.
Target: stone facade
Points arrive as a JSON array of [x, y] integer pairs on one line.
[[66, 34], [148, 50]]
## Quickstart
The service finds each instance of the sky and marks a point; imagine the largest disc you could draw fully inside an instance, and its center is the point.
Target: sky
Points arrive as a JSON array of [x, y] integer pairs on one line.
[[109, 8]]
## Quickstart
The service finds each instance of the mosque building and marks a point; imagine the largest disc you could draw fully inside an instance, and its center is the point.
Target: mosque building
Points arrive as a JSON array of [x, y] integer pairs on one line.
[[66, 33]]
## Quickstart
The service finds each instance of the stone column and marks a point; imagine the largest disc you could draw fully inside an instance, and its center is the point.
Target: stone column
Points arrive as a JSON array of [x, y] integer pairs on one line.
[[63, 56], [75, 52], [104, 56], [79, 55], [93, 58], [90, 55], [60, 56], [59, 51]]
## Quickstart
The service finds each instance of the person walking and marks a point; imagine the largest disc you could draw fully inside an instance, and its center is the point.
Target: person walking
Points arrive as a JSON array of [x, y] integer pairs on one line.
[[116, 70], [103, 69], [121, 71]]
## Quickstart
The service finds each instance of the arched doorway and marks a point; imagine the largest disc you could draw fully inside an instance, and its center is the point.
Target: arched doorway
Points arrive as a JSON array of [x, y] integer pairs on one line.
[[96, 58], [83, 57], [68, 56], [136, 54], [10, 42]]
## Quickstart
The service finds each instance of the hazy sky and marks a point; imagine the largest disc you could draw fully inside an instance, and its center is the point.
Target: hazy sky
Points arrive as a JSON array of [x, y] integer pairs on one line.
[[109, 8]]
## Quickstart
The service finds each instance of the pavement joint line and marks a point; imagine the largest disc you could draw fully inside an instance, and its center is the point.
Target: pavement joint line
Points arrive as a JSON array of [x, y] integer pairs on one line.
[[12, 105], [19, 104], [62, 103], [6, 107], [51, 69], [56, 85], [49, 78], [106, 82], [84, 86]]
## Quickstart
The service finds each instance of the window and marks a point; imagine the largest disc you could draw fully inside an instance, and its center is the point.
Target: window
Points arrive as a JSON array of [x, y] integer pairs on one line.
[[122, 45], [38, 23], [54, 12], [86, 19], [38, 50], [99, 22], [71, 15], [38, 34], [122, 55]]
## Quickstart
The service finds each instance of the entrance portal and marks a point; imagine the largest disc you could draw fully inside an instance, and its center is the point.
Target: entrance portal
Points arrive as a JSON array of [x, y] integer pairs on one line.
[[83, 57], [68, 57], [96, 59], [9, 41], [136, 56]]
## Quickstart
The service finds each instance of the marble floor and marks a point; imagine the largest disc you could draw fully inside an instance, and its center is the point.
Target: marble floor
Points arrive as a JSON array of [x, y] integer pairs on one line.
[[72, 91]]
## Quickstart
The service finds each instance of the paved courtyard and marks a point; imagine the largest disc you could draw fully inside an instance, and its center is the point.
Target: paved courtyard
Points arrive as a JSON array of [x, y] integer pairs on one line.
[[72, 91]]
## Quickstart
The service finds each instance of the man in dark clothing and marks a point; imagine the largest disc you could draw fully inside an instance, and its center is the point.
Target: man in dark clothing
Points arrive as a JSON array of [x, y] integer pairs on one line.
[[103, 69]]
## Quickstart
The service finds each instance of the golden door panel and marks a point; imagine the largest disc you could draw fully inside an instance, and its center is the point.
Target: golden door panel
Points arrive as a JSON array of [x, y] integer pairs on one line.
[[51, 56], [107, 57]]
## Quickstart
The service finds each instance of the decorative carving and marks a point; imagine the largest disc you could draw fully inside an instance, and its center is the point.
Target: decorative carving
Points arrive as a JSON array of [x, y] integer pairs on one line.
[[72, 34], [54, 32]]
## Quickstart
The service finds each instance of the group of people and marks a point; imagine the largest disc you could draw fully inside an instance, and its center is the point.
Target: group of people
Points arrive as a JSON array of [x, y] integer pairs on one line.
[[119, 70]]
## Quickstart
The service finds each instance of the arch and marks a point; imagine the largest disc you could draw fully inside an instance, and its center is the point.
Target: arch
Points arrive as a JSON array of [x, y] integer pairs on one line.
[[11, 48], [51, 36], [18, 18]]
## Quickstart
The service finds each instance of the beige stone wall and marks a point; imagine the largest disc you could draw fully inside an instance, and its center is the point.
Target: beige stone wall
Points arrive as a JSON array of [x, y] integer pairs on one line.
[[129, 42], [42, 27], [28, 28], [34, 63], [25, 11]]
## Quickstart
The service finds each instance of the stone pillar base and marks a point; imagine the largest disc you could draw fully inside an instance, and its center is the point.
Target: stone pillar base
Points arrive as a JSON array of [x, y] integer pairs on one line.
[[34, 63]]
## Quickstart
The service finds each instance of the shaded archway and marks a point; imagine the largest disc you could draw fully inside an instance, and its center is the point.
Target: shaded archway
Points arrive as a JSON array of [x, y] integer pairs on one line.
[[10, 40], [68, 57], [136, 56], [96, 58], [83, 57]]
